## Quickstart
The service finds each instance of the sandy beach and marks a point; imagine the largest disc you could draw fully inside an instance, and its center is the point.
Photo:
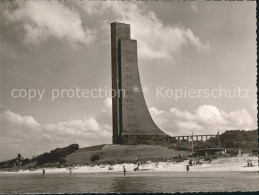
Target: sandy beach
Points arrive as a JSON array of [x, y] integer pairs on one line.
[[229, 174], [232, 164]]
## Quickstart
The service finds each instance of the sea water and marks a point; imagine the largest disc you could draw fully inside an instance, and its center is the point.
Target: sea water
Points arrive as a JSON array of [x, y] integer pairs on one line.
[[133, 182]]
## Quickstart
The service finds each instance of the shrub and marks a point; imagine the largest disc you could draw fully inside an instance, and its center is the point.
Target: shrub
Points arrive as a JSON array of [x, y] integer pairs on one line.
[[57, 155], [7, 166], [62, 161], [95, 157], [181, 148], [26, 161]]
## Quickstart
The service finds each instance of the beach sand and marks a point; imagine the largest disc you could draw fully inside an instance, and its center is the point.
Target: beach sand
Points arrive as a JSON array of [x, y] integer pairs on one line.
[[232, 164]]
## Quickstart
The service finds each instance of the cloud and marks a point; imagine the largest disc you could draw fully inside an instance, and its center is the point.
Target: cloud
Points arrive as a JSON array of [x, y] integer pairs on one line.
[[107, 108], [156, 41], [10, 121], [74, 127], [108, 102], [194, 6], [206, 119], [43, 19], [6, 49], [189, 125], [23, 134], [156, 111]]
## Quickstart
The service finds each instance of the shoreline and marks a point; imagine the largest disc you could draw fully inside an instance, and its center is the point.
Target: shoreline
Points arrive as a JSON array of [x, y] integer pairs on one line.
[[226, 165]]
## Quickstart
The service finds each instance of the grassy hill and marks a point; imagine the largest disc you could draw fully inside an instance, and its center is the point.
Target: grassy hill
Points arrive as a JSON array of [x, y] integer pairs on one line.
[[121, 153], [233, 140]]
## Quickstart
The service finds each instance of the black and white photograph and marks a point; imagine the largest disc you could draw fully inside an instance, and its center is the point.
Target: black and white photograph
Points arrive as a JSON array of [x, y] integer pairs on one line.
[[128, 96]]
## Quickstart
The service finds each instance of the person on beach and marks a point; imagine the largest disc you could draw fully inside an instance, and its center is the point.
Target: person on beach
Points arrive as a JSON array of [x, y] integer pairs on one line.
[[137, 168], [187, 168], [43, 171], [70, 170], [124, 171]]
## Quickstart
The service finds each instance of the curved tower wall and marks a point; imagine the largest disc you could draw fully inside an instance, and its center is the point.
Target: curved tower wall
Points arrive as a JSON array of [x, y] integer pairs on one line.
[[132, 122]]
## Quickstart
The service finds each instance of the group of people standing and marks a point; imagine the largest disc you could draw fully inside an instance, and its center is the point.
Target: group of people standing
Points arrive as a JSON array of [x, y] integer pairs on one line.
[[124, 169]]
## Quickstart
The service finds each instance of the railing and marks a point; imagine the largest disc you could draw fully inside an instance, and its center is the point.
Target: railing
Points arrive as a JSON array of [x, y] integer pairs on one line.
[[194, 137]]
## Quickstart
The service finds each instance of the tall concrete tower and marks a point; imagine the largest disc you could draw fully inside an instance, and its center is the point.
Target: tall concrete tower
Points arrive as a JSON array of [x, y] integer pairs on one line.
[[132, 123]]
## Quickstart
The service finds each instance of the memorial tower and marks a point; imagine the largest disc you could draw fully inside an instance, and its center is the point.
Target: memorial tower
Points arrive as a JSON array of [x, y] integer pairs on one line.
[[132, 122]]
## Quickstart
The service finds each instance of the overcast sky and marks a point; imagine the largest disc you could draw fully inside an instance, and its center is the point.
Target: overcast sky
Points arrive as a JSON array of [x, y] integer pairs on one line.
[[48, 45]]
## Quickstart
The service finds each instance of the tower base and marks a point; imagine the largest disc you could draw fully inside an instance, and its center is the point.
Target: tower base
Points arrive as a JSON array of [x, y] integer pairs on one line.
[[129, 139]]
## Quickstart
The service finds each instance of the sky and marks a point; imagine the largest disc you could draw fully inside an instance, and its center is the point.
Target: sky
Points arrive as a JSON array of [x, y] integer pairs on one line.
[[50, 49]]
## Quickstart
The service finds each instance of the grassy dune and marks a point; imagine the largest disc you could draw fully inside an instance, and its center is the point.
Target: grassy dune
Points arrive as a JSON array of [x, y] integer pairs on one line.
[[122, 154]]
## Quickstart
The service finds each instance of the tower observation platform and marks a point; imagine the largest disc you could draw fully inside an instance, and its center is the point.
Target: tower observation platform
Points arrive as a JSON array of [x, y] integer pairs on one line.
[[132, 122]]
